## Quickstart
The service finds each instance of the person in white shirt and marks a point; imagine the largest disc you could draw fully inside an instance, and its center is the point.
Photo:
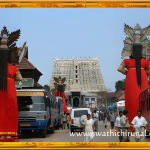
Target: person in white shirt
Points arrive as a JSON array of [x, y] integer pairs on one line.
[[124, 126], [139, 124], [117, 126], [95, 118], [64, 121], [89, 129]]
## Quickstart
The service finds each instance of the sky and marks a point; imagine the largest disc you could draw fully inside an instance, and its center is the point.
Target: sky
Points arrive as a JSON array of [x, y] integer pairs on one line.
[[74, 32]]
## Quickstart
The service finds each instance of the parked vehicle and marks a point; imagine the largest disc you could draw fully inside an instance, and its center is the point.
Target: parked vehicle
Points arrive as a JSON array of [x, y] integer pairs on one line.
[[119, 106], [60, 111], [144, 106], [78, 115], [70, 109], [37, 110]]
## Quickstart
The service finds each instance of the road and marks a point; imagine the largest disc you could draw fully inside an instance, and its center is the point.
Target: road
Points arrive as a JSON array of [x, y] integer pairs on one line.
[[64, 136]]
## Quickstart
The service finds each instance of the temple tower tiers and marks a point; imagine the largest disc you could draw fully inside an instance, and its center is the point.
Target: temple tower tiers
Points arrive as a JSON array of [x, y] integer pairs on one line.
[[81, 74]]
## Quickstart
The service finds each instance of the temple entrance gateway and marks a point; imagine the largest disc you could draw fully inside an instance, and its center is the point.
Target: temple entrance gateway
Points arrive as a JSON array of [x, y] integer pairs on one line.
[[76, 102]]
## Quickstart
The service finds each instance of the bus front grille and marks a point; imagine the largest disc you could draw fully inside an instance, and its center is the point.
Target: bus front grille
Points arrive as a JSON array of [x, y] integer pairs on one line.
[[26, 119]]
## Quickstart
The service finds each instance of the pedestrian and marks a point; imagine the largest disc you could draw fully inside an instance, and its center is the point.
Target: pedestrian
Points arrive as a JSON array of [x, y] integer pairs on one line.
[[68, 120], [117, 126], [99, 116], [124, 126], [95, 117], [112, 120], [105, 120], [89, 129], [64, 121], [140, 124], [103, 117]]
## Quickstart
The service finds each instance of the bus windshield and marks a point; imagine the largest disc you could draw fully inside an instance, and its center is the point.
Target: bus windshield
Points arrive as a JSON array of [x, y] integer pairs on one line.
[[31, 103], [121, 108]]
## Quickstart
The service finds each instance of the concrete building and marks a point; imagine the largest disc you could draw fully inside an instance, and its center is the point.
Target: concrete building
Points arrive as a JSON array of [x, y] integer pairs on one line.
[[81, 98], [83, 80], [81, 74]]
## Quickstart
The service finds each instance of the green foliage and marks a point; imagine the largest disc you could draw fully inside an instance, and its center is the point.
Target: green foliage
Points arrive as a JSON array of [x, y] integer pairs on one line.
[[53, 89], [120, 84], [47, 87]]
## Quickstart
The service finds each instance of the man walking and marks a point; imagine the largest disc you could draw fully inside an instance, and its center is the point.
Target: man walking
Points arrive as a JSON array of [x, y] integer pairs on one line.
[[68, 120], [112, 120], [117, 126], [124, 126], [64, 121], [140, 124], [95, 117]]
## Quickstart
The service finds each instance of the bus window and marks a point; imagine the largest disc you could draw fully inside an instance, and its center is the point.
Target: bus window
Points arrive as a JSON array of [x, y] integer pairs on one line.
[[121, 108], [31, 103]]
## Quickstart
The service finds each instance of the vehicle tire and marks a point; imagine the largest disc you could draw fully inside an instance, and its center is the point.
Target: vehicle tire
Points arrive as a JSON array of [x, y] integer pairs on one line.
[[52, 130], [43, 133], [48, 131], [147, 134], [57, 127]]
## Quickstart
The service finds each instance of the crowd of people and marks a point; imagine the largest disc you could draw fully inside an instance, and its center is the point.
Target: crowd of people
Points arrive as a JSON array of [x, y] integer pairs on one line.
[[120, 124]]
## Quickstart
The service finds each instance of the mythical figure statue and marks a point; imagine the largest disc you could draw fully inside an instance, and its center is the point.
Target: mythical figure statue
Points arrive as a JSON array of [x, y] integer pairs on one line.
[[136, 46], [10, 56], [60, 87]]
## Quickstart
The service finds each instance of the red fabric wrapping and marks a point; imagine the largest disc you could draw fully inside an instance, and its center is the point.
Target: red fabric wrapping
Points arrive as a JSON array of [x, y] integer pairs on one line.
[[8, 105], [62, 96], [132, 90], [13, 139]]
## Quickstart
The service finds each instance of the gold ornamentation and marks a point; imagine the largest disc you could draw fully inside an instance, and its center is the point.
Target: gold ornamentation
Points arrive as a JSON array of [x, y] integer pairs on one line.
[[74, 4], [74, 145]]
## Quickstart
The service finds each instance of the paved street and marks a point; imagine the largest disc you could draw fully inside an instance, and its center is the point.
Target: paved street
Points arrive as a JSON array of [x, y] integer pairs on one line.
[[64, 136]]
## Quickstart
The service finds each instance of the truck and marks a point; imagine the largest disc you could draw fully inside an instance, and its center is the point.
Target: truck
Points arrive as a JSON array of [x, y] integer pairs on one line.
[[119, 106], [37, 110]]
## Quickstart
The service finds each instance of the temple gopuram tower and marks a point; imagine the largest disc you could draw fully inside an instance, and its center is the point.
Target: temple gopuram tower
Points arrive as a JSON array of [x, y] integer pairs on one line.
[[81, 74]]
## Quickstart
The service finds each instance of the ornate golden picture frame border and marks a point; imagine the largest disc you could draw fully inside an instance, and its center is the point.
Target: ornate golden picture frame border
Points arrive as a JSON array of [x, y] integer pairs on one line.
[[74, 145], [75, 4]]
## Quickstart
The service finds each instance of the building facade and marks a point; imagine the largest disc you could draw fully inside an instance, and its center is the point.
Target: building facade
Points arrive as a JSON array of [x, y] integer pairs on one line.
[[81, 99], [81, 74], [83, 80]]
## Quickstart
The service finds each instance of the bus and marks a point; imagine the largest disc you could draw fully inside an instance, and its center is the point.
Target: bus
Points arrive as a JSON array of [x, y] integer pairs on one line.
[[37, 110], [144, 106], [119, 106], [60, 111]]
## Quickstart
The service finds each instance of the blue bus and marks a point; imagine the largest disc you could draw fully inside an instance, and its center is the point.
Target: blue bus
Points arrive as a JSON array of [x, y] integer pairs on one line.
[[37, 110]]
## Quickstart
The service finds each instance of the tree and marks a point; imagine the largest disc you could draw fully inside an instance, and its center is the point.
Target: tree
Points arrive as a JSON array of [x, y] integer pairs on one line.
[[120, 84], [47, 87], [53, 89]]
